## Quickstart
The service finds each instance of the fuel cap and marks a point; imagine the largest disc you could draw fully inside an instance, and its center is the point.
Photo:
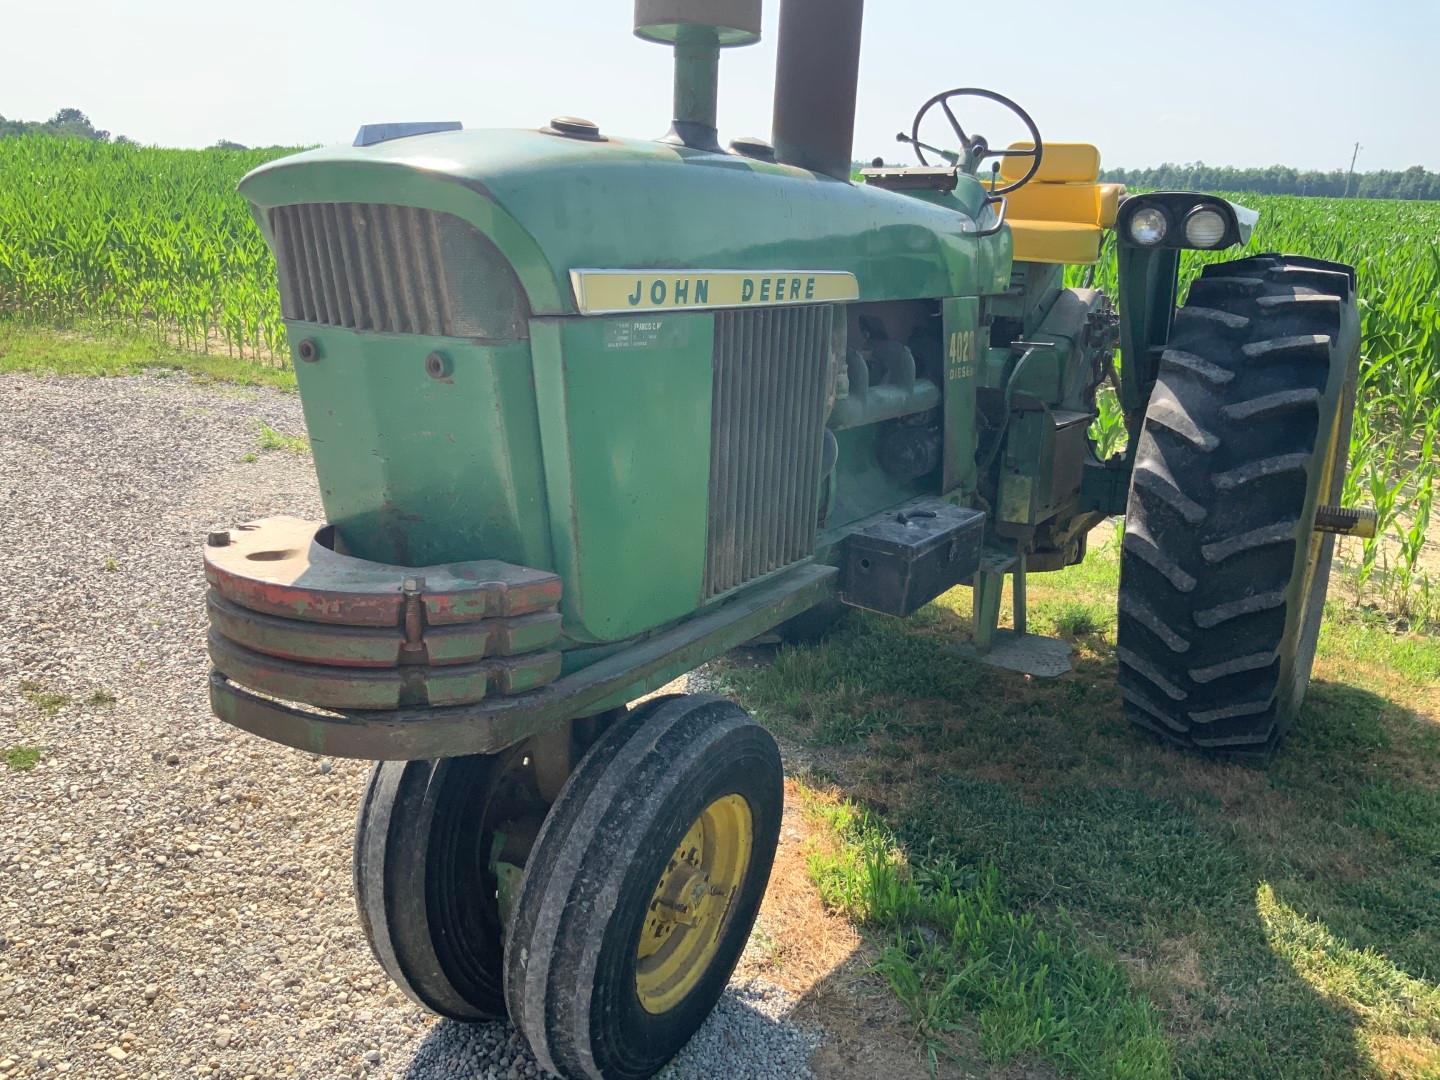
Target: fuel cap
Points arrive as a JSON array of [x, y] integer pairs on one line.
[[573, 127], [752, 147]]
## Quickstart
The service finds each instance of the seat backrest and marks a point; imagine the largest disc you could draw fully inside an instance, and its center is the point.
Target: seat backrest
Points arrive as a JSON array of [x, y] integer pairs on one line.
[[1060, 163]]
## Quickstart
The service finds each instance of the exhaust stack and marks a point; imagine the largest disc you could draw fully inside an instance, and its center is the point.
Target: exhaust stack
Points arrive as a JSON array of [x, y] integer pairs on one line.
[[816, 71], [698, 29]]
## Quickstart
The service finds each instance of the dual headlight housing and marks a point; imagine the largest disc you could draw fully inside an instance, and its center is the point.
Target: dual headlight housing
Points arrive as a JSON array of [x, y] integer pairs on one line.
[[1182, 219]]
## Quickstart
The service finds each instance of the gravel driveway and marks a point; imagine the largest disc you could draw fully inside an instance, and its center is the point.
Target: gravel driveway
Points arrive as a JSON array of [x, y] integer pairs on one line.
[[174, 895]]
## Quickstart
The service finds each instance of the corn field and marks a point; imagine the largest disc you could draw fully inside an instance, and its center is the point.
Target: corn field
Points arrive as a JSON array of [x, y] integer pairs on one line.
[[157, 240], [146, 239]]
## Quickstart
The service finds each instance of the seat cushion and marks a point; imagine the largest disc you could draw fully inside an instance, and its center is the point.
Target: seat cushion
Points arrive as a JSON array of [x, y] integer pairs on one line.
[[1056, 202], [1060, 163], [1054, 241]]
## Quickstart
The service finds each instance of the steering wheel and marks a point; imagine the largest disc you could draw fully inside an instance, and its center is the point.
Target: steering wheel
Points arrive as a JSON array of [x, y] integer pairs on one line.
[[976, 148]]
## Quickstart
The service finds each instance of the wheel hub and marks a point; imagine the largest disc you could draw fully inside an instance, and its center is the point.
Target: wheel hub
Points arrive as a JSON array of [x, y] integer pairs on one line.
[[688, 897], [690, 902]]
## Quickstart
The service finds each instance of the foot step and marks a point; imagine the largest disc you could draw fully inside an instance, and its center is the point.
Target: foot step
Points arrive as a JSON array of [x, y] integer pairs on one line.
[[1030, 654]]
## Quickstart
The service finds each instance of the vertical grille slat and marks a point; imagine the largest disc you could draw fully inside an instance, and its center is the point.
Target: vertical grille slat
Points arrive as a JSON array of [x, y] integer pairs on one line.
[[380, 249], [752, 448], [412, 272], [435, 260], [308, 255], [324, 267], [344, 233], [334, 257], [742, 344], [773, 518], [767, 428], [399, 257], [370, 266], [293, 265], [790, 398], [365, 268]]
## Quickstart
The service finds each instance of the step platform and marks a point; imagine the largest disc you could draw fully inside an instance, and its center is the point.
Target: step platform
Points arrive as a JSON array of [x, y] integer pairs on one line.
[[1029, 654]]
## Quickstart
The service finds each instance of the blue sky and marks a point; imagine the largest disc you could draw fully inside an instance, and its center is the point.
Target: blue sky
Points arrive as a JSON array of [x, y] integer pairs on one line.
[[1226, 82]]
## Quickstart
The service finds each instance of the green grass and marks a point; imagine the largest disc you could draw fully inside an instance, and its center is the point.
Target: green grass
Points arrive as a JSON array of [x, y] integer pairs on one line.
[[1201, 918], [963, 962], [270, 439], [43, 351], [47, 701], [21, 758]]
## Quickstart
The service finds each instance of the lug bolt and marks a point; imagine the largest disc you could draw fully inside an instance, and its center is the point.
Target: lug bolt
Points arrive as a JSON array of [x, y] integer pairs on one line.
[[218, 538]]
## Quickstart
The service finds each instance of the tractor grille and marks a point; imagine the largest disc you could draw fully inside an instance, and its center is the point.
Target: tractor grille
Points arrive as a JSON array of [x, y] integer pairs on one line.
[[767, 430], [393, 269]]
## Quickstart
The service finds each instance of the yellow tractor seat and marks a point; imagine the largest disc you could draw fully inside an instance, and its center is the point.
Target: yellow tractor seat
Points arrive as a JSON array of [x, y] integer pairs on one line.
[[1059, 215]]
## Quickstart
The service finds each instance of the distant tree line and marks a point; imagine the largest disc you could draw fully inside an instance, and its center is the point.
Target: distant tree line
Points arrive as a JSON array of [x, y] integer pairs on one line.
[[1413, 183], [74, 124], [69, 123]]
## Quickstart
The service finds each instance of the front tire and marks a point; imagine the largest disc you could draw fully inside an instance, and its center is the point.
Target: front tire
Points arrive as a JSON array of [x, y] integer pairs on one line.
[[1222, 577], [642, 888], [425, 887]]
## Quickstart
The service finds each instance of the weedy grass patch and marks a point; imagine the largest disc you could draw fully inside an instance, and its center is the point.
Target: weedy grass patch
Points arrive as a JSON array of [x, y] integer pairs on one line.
[[961, 960], [1274, 920], [21, 758], [46, 700], [270, 439]]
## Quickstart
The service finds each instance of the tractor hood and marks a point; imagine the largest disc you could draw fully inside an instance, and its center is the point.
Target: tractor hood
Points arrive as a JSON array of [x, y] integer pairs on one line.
[[551, 204]]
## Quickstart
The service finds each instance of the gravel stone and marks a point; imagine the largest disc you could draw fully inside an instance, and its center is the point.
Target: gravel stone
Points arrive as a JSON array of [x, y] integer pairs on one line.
[[176, 896]]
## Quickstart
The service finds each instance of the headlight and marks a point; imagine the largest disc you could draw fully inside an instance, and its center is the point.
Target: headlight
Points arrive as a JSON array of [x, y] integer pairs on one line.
[[1204, 227], [1148, 226]]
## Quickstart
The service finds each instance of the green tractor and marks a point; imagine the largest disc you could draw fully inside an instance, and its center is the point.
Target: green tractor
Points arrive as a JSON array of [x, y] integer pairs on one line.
[[588, 411]]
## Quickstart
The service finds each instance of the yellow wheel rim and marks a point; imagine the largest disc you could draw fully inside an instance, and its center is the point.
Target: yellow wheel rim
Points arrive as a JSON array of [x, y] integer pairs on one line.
[[1324, 495], [690, 905]]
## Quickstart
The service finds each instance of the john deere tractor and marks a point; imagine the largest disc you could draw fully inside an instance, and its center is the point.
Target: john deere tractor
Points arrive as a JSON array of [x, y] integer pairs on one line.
[[588, 411]]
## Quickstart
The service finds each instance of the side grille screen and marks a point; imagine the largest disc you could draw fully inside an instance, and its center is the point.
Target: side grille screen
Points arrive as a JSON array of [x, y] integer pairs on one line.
[[393, 269], [767, 430]]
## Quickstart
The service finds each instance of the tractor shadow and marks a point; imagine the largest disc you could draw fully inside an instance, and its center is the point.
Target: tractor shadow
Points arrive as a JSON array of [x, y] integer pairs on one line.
[[1280, 916]]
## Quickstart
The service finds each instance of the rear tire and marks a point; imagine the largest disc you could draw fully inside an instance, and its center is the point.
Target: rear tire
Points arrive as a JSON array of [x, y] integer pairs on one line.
[[1222, 578], [678, 804]]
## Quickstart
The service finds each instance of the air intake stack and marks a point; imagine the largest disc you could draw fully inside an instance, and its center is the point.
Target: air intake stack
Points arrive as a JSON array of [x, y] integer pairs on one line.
[[698, 29], [816, 70]]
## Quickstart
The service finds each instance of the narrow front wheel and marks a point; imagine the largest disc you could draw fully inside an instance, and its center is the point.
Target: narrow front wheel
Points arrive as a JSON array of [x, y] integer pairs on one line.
[[427, 839], [642, 888]]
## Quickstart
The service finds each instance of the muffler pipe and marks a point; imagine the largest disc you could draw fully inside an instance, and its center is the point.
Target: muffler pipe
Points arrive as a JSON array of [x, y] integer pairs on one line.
[[817, 67]]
